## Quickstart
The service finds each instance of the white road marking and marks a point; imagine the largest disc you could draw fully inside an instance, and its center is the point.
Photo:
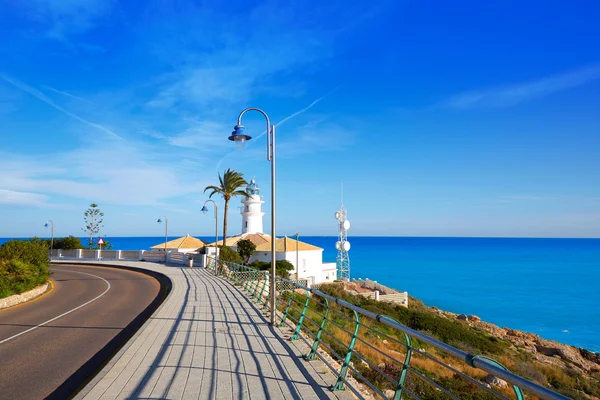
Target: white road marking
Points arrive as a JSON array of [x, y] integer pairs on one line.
[[68, 312]]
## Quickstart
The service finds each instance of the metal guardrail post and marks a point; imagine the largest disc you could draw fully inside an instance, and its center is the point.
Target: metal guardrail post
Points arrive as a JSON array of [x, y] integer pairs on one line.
[[339, 385], [518, 392], [262, 290], [315, 345], [287, 308], [404, 373], [301, 319], [256, 276]]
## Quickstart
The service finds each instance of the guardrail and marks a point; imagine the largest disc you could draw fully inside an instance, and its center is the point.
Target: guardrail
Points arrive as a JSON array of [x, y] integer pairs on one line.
[[373, 355]]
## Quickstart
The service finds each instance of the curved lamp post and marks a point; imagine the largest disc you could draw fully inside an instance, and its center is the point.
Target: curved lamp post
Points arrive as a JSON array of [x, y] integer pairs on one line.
[[204, 211], [52, 233], [239, 137], [166, 235]]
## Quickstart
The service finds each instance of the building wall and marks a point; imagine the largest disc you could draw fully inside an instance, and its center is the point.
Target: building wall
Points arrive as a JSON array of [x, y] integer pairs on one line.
[[310, 264]]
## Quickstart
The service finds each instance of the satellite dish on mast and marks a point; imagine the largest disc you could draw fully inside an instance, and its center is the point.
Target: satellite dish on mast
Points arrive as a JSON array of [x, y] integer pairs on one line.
[[346, 225], [338, 215], [346, 246]]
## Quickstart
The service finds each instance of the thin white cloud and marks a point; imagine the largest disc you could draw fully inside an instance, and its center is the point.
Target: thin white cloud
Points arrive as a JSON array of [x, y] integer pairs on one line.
[[67, 94], [512, 95], [39, 95], [61, 18], [13, 197]]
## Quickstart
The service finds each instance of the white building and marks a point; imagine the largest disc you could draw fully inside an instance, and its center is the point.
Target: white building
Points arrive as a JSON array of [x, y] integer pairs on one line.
[[184, 244], [306, 258]]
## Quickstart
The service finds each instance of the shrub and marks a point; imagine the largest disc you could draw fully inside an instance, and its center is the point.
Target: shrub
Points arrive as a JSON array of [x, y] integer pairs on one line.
[[23, 266], [67, 243], [226, 253]]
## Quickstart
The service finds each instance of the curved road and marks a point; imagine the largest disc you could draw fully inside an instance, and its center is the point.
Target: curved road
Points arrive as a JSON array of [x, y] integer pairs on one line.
[[42, 355]]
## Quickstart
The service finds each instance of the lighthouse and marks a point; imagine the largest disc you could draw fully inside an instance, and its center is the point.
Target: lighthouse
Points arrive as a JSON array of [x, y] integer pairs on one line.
[[251, 209]]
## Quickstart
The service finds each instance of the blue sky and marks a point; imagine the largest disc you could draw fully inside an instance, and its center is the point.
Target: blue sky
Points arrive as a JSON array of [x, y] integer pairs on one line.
[[460, 118]]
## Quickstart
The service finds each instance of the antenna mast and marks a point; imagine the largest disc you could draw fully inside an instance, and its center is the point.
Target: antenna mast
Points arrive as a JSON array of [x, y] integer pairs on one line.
[[343, 245]]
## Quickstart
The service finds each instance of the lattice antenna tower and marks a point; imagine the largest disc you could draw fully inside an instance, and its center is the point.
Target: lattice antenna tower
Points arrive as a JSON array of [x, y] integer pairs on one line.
[[343, 245]]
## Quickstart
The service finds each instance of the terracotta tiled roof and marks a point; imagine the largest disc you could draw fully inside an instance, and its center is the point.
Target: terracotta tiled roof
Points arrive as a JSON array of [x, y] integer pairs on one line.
[[184, 242], [263, 243]]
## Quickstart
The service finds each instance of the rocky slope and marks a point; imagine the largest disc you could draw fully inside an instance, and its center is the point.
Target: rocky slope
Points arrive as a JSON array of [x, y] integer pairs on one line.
[[546, 351]]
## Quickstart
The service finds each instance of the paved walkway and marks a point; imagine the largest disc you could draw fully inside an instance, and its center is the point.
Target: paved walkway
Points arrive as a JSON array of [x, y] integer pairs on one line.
[[208, 341]]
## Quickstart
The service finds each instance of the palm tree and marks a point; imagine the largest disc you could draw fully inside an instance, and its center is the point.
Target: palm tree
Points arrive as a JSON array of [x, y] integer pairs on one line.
[[229, 187]]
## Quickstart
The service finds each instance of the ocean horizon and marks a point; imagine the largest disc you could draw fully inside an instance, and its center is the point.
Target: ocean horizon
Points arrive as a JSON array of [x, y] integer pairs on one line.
[[546, 286]]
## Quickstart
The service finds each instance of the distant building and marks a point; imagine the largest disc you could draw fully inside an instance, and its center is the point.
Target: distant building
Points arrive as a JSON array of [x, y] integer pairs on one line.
[[184, 244], [306, 258]]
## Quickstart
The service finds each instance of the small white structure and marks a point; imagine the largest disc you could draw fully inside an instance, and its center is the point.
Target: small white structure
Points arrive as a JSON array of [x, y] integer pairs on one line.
[[309, 264], [252, 209], [310, 258], [184, 244]]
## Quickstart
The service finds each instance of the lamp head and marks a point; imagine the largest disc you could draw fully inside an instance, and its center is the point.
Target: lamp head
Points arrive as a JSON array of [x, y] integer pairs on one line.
[[239, 137], [159, 221], [204, 209], [46, 225]]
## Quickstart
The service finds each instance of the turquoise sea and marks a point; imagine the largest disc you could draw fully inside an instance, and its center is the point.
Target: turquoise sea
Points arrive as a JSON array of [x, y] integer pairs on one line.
[[550, 287]]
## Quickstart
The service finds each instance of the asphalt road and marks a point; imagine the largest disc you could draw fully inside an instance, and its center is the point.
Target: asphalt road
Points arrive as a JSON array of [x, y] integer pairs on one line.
[[57, 358]]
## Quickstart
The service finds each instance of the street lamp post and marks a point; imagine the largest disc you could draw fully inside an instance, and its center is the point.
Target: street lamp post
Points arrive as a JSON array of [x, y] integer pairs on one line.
[[204, 211], [52, 233], [239, 137], [166, 235], [297, 266]]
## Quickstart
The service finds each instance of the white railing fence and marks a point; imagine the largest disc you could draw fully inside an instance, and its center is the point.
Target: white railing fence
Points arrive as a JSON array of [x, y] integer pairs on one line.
[[173, 257]]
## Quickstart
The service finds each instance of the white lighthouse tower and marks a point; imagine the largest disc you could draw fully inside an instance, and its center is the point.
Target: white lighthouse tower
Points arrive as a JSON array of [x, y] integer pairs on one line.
[[251, 209]]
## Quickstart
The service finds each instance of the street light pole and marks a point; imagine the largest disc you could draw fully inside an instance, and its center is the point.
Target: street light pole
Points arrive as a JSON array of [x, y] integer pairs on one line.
[[204, 211], [239, 137], [166, 235], [52, 233], [297, 266]]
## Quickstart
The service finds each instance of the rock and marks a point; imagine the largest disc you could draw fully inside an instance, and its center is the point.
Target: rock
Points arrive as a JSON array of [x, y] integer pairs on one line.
[[381, 366], [384, 341], [474, 318], [389, 394], [565, 352], [496, 382], [364, 363], [462, 317]]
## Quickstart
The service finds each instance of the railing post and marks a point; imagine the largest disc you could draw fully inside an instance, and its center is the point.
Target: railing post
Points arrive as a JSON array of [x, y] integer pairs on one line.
[[301, 319], [404, 373], [339, 385], [315, 345], [518, 392], [265, 303], [262, 290], [287, 308]]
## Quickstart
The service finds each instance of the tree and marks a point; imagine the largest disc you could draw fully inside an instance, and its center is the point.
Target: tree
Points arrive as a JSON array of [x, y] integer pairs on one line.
[[246, 248], [93, 222], [282, 267], [226, 253], [229, 186], [68, 243]]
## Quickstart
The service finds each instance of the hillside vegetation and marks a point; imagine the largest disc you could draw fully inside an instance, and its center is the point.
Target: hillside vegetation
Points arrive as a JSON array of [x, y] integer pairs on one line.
[[23, 266], [565, 377]]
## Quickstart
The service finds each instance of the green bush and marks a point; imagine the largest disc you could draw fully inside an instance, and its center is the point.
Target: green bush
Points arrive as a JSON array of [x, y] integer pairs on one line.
[[23, 266], [67, 243], [282, 267], [226, 253]]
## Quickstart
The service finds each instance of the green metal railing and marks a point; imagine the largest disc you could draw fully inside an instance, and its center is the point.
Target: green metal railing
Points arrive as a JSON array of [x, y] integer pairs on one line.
[[372, 354]]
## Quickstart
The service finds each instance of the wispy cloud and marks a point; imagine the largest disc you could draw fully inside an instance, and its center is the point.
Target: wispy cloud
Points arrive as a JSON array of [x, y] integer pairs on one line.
[[21, 198], [39, 95], [61, 18], [67, 94], [512, 95]]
